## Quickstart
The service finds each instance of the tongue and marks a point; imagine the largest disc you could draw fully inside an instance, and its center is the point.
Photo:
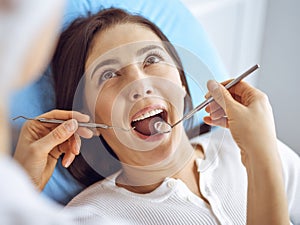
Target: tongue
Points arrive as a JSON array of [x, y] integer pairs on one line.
[[146, 126]]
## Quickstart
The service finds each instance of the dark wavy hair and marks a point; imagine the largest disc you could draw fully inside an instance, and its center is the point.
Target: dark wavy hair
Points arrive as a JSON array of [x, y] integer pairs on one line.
[[68, 68]]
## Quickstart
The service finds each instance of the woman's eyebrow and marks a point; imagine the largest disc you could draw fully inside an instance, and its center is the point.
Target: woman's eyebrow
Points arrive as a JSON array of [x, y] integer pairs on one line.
[[104, 63], [148, 48], [115, 61]]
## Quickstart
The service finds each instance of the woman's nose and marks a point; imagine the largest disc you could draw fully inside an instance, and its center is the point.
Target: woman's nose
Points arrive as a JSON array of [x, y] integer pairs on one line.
[[141, 86], [140, 91]]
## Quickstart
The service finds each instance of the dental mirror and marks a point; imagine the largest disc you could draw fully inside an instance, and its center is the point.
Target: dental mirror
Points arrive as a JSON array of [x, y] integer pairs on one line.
[[164, 127]]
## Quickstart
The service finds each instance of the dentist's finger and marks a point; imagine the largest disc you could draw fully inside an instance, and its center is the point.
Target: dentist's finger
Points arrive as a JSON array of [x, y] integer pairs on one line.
[[63, 115], [76, 144], [222, 122], [85, 132], [57, 136], [68, 159], [208, 94], [72, 144], [66, 115], [217, 114], [212, 107], [220, 94]]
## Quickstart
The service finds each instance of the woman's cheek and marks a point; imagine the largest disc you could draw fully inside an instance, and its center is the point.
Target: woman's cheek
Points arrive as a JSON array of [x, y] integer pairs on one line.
[[104, 107], [165, 70]]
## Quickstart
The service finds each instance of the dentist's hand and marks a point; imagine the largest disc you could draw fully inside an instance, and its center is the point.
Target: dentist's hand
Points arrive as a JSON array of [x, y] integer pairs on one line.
[[246, 111], [41, 144]]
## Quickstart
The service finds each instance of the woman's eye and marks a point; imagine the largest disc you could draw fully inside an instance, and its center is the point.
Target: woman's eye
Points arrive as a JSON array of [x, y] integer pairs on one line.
[[108, 75], [152, 60]]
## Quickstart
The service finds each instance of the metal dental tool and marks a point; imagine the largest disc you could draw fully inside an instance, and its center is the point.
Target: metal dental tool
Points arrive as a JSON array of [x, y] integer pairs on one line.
[[164, 127], [160, 126], [80, 124]]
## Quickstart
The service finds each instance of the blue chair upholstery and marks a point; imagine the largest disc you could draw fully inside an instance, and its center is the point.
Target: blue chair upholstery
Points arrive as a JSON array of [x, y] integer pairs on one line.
[[177, 23]]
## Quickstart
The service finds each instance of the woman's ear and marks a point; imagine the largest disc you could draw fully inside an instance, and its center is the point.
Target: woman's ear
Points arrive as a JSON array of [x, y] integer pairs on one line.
[[184, 89]]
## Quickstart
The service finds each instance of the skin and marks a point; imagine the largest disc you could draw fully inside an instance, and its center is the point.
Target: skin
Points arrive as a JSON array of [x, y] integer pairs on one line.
[[131, 72], [163, 160]]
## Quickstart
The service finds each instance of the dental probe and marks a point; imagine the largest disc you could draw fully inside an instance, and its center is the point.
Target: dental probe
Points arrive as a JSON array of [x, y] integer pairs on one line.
[[164, 127], [80, 124]]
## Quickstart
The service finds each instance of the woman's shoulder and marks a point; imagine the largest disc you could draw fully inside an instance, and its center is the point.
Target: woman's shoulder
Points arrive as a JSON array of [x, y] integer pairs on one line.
[[286, 153], [214, 141], [290, 163], [103, 188]]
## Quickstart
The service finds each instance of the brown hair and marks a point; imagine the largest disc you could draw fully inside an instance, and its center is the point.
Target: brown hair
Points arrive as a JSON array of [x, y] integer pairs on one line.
[[68, 68]]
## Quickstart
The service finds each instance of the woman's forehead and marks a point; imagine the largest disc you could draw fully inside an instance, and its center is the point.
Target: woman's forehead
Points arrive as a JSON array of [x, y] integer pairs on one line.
[[120, 38]]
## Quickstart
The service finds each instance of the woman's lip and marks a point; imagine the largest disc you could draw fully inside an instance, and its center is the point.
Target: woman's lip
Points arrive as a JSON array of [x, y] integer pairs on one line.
[[147, 109]]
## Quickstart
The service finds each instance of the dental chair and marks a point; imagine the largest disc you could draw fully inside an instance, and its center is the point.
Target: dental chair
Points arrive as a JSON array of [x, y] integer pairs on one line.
[[178, 24]]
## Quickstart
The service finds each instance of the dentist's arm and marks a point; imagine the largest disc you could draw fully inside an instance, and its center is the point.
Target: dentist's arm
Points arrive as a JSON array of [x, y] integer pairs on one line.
[[41, 144], [246, 111]]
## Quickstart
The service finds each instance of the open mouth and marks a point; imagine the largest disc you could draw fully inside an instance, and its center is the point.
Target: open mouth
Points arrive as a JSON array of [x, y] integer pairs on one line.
[[144, 123]]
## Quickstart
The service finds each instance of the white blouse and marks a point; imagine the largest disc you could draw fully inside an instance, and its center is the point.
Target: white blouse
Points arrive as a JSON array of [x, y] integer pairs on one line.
[[223, 183]]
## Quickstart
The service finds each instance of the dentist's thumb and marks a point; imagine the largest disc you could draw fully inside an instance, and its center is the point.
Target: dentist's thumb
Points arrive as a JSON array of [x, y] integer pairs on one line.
[[220, 94], [57, 136]]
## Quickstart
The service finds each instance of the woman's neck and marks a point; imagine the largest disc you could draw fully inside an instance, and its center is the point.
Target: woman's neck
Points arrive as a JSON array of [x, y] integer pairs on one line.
[[180, 166]]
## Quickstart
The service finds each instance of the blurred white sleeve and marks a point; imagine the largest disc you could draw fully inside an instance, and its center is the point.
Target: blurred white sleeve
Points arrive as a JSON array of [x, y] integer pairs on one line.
[[21, 21], [21, 204]]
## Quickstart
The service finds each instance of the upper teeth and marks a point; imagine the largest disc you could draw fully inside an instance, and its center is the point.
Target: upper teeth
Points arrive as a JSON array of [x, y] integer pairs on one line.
[[148, 114]]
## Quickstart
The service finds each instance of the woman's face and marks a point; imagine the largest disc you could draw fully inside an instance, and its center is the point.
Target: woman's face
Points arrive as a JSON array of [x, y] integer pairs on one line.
[[132, 82]]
